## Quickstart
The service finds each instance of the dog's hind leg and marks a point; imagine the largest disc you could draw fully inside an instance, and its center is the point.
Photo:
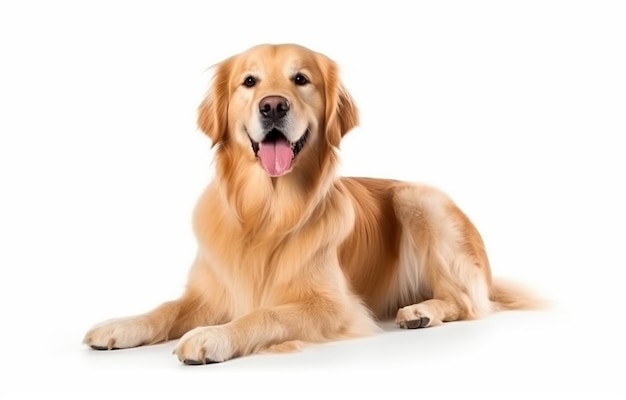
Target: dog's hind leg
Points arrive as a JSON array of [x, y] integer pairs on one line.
[[444, 261]]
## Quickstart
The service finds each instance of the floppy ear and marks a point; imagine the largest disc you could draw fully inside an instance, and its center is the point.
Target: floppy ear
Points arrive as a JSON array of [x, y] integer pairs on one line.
[[342, 113], [213, 111]]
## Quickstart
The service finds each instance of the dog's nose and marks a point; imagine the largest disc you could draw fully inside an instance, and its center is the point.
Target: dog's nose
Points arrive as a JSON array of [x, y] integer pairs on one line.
[[273, 108]]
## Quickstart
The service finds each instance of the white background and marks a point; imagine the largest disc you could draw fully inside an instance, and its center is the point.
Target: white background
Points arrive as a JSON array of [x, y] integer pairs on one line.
[[516, 109]]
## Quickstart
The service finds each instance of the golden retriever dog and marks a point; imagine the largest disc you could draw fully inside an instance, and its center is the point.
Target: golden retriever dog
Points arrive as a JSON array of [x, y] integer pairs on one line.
[[288, 252]]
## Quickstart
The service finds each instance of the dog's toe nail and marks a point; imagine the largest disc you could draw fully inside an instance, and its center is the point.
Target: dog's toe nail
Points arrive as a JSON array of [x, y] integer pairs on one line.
[[104, 347], [416, 323], [412, 324], [189, 361]]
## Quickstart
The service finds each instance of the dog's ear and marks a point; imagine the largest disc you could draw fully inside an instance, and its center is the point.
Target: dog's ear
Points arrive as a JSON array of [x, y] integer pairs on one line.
[[213, 111], [341, 111]]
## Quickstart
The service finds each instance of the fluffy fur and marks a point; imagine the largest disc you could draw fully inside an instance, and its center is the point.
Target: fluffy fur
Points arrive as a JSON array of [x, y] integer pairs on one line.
[[290, 253]]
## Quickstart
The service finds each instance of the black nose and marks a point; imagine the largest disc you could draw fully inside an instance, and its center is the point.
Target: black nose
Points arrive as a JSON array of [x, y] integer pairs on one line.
[[273, 108]]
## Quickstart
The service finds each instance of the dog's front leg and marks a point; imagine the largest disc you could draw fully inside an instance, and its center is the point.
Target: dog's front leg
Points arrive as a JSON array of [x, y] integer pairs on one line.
[[314, 319], [168, 321]]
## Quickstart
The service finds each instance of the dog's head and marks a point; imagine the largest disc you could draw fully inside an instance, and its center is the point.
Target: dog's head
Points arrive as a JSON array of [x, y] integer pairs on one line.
[[277, 106]]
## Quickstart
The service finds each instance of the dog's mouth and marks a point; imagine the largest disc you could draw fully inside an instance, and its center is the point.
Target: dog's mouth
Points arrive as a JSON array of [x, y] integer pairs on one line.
[[276, 153]]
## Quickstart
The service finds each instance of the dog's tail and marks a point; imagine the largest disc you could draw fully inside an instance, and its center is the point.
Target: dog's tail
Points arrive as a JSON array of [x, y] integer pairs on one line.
[[512, 296]]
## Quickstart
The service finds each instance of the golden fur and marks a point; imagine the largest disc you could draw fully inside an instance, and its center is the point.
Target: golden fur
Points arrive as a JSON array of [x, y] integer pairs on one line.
[[290, 255]]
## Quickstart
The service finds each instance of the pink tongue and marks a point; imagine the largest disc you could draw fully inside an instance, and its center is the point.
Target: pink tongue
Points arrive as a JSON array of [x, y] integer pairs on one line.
[[275, 157]]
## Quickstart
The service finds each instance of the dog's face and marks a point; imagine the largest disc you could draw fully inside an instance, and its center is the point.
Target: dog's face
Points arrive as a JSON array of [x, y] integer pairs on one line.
[[277, 104], [277, 101]]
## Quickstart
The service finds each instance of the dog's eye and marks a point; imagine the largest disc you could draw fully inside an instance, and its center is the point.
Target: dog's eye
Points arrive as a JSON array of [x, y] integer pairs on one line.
[[301, 80], [249, 81]]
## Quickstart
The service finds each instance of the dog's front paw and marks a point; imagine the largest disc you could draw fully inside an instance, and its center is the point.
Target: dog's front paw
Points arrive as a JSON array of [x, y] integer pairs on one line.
[[120, 333], [205, 345]]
